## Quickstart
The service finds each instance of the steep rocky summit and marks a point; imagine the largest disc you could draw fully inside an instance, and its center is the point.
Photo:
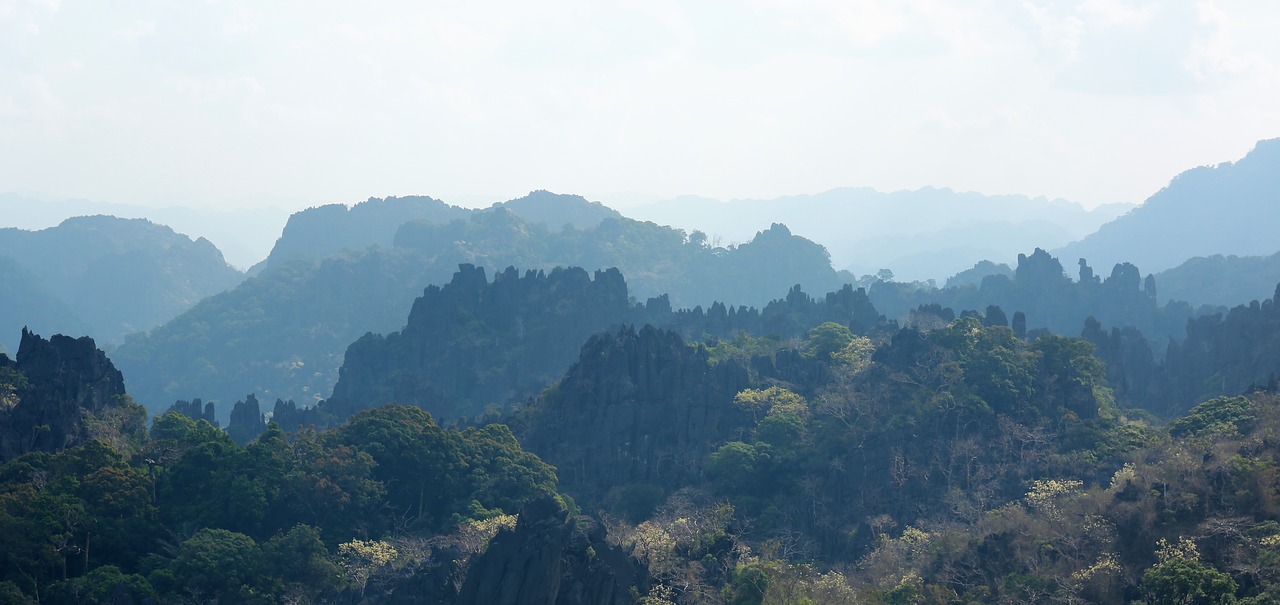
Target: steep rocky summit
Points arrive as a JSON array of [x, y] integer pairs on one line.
[[475, 342], [59, 393]]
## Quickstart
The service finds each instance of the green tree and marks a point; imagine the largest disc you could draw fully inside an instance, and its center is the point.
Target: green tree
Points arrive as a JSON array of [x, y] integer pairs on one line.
[[300, 565], [217, 563], [422, 465], [99, 586], [826, 340], [1180, 578]]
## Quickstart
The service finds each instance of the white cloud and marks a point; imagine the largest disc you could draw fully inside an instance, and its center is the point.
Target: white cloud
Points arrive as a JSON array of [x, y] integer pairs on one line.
[[135, 30], [1119, 13]]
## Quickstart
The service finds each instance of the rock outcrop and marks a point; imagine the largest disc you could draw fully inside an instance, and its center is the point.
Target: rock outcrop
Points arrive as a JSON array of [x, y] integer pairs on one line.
[[642, 407], [247, 421], [195, 410], [51, 392]]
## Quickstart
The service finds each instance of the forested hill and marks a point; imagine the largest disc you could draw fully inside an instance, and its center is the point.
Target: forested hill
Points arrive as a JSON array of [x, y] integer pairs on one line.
[[1231, 208], [26, 301], [114, 276]]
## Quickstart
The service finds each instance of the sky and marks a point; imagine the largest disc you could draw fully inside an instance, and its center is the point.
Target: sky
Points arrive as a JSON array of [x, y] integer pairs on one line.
[[231, 104]]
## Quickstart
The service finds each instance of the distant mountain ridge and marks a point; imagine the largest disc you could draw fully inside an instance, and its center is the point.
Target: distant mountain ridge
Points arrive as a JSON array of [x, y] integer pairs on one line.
[[115, 276], [1221, 280], [922, 234], [1231, 208], [243, 235], [322, 231]]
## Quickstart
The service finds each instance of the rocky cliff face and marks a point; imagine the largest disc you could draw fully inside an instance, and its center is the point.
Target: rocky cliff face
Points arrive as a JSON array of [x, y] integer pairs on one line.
[[51, 392], [247, 421], [195, 410], [642, 407], [473, 342]]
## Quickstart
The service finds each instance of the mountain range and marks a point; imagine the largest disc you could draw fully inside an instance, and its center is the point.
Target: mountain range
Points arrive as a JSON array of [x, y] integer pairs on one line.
[[924, 234]]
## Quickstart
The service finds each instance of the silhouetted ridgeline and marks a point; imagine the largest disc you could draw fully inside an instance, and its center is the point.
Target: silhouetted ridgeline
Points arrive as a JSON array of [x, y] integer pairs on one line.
[[115, 276], [1049, 299], [1225, 209], [1221, 280], [27, 302], [922, 234], [656, 260], [280, 334], [323, 231]]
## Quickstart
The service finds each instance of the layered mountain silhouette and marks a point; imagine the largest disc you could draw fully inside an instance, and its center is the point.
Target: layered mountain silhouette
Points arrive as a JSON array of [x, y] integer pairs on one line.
[[322, 231], [282, 334], [1231, 208], [105, 276], [924, 234], [244, 235], [1221, 280]]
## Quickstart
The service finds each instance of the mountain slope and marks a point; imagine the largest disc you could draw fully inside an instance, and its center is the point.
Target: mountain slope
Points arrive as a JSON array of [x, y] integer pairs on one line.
[[1232, 208]]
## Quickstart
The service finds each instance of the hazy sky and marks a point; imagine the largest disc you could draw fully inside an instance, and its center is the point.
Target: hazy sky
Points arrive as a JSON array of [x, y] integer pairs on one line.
[[227, 103]]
